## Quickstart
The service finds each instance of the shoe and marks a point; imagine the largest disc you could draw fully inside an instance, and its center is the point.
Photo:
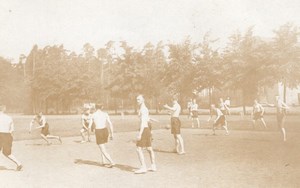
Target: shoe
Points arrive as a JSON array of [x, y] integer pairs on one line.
[[110, 165], [83, 141], [60, 139], [181, 153], [152, 168], [19, 167], [141, 171]]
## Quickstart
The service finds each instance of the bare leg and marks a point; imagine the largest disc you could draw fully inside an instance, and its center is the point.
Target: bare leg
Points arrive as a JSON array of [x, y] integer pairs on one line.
[[176, 144], [106, 155], [45, 138], [226, 129], [180, 140], [280, 123], [54, 137], [152, 158], [198, 122], [263, 122], [82, 131], [142, 169], [14, 159]]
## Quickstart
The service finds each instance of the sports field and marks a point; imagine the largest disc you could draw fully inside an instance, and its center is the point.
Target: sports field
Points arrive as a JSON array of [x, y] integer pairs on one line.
[[245, 158]]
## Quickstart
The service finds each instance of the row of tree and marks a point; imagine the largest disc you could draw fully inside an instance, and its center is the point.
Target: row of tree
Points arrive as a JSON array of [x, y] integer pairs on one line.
[[52, 78]]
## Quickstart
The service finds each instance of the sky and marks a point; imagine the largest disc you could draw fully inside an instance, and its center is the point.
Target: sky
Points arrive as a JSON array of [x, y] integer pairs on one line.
[[76, 22]]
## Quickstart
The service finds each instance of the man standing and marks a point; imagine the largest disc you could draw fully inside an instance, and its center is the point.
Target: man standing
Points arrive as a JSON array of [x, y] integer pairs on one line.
[[144, 137], [100, 119], [175, 125], [6, 139]]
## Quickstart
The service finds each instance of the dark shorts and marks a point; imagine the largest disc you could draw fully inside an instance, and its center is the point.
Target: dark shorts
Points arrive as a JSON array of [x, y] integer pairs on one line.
[[175, 125], [45, 130], [145, 141], [225, 112], [280, 117], [6, 143], [220, 121], [194, 114], [257, 116], [101, 136]]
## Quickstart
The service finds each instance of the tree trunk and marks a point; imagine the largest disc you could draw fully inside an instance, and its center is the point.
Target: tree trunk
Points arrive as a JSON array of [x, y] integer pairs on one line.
[[244, 102]]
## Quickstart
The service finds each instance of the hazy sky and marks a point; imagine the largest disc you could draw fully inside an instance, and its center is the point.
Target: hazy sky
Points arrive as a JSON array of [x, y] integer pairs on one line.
[[76, 22]]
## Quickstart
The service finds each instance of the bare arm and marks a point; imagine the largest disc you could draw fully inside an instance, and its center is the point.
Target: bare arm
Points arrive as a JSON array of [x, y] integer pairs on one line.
[[12, 127], [169, 108], [111, 129]]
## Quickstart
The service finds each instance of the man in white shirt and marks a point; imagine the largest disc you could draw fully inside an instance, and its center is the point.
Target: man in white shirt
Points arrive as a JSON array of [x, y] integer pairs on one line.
[[6, 139], [102, 133], [175, 125], [144, 137]]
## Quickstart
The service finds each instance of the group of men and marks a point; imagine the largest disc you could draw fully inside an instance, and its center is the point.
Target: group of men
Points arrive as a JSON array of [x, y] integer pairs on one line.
[[104, 128], [222, 110]]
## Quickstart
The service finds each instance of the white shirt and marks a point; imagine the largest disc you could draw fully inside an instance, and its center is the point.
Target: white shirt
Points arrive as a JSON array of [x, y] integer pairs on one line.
[[100, 118], [6, 123], [176, 110], [144, 115], [194, 107]]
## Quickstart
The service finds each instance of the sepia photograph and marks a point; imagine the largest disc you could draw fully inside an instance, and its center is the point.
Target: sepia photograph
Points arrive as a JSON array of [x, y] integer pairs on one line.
[[150, 94]]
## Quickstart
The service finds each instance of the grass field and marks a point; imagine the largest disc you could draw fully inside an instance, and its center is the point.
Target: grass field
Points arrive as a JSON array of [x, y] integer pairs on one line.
[[245, 158]]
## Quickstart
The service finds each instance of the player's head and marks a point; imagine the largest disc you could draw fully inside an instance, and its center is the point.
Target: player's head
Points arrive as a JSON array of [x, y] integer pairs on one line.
[[86, 111], [221, 99], [99, 106], [2, 108], [213, 107], [39, 114], [255, 101], [194, 101], [140, 99]]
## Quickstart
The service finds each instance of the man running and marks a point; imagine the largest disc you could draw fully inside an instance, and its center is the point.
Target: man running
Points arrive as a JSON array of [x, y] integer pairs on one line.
[[220, 119], [175, 125], [40, 119], [85, 121], [100, 118], [257, 114], [144, 137], [6, 139]]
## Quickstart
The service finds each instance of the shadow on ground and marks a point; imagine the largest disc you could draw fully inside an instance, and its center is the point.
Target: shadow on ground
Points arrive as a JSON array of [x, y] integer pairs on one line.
[[4, 168], [94, 163]]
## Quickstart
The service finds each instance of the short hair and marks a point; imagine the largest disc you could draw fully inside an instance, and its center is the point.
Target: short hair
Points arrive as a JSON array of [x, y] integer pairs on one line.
[[140, 97], [99, 106]]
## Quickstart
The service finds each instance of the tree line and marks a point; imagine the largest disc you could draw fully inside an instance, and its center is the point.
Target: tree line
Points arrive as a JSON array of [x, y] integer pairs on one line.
[[53, 79]]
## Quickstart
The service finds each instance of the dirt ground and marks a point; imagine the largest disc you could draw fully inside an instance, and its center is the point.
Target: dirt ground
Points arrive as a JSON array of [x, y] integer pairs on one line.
[[245, 158]]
